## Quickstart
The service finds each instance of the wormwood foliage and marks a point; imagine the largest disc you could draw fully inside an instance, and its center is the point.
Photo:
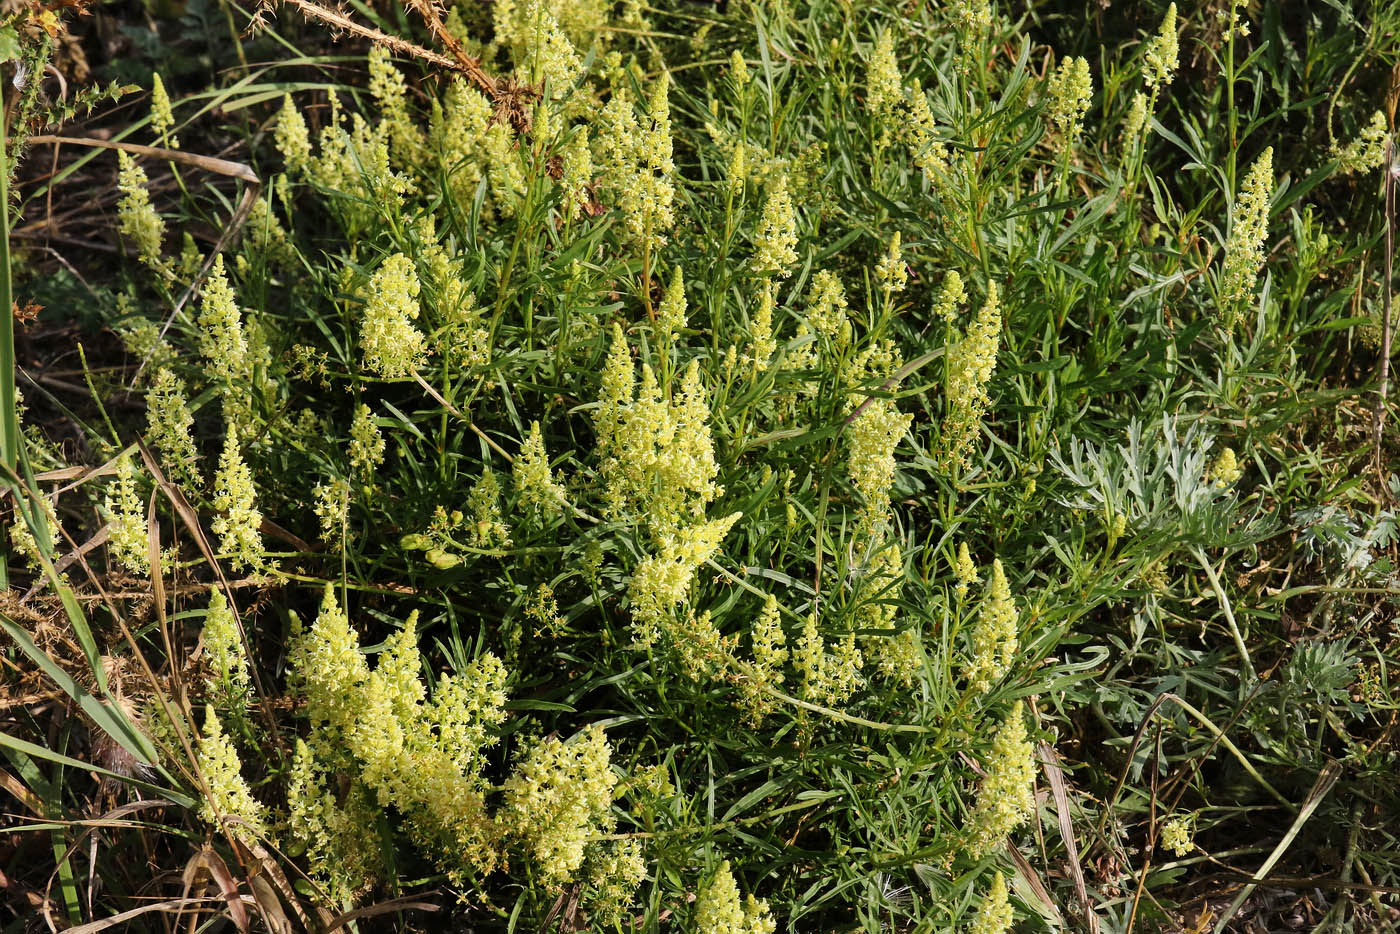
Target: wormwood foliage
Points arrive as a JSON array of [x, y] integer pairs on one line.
[[683, 489]]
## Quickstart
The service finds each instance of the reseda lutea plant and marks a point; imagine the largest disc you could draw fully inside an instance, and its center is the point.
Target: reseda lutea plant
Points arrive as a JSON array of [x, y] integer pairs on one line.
[[706, 470]]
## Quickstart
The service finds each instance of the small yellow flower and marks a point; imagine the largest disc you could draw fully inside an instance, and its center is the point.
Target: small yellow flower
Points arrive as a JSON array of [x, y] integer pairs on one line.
[[995, 636], [228, 800], [558, 798], [670, 317], [292, 137], [126, 520], [366, 443], [891, 271], [1226, 471], [170, 428], [1176, 835], [971, 363], [719, 910]]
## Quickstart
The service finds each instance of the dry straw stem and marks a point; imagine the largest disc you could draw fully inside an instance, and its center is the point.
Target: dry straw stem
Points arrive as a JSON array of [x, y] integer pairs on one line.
[[460, 60], [1050, 760]]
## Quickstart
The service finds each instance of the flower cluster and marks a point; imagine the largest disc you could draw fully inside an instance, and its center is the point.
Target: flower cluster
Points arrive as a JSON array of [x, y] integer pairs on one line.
[[238, 523], [1136, 120], [575, 175], [126, 520], [389, 90], [221, 337], [658, 458], [227, 800], [828, 678], [558, 798], [539, 44], [534, 480], [974, 16], [1007, 793], [457, 128], [487, 528], [719, 910], [615, 873], [891, 271], [775, 241], [827, 307], [136, 217], [637, 164], [231, 683], [422, 757], [1070, 91], [162, 116], [994, 915], [337, 831], [950, 297], [1244, 248], [1226, 470], [366, 443], [995, 637], [964, 571], [764, 342], [670, 316], [332, 508], [22, 536], [1176, 835], [662, 580], [392, 346], [292, 137], [884, 84], [1162, 52], [1367, 151], [170, 428], [970, 366], [872, 437], [769, 651]]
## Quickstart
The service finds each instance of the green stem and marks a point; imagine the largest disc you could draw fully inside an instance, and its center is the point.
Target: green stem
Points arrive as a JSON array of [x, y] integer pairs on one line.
[[9, 403], [1229, 614]]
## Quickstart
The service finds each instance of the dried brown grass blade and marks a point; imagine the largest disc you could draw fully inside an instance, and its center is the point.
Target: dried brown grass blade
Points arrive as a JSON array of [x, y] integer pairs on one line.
[[170, 904], [195, 160], [408, 903], [26, 797], [270, 906], [1050, 760], [1032, 878], [228, 887]]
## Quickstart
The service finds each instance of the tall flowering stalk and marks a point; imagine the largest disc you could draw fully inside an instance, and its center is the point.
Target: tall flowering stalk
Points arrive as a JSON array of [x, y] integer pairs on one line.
[[1244, 248], [971, 363], [238, 523], [995, 637], [393, 347], [1006, 797], [137, 218]]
